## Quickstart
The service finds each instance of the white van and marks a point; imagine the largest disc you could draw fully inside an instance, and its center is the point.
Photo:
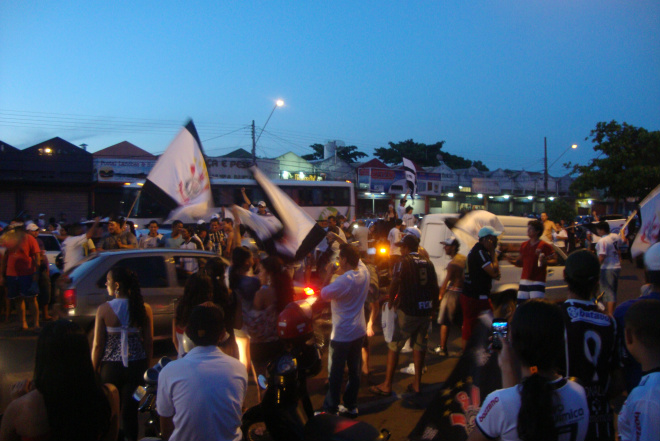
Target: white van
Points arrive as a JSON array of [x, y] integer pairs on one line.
[[434, 230]]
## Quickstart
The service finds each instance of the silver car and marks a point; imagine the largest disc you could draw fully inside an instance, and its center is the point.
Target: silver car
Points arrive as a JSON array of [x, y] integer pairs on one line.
[[162, 274]]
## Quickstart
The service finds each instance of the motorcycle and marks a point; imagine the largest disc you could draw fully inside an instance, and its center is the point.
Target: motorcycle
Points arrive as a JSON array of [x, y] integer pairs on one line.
[[148, 394], [286, 412]]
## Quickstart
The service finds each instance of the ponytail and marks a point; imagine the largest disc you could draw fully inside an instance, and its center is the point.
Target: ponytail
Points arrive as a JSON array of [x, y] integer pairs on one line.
[[536, 417], [130, 284]]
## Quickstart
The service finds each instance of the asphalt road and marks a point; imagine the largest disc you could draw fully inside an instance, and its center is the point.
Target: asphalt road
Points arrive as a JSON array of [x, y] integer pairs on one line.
[[398, 413]]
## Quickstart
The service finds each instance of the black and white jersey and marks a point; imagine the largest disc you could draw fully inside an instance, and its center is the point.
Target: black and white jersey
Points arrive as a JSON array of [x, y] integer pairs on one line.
[[590, 355], [478, 282], [418, 285]]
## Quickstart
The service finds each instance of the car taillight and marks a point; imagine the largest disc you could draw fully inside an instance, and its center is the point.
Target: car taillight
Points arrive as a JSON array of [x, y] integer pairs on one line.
[[69, 299], [309, 291], [383, 250]]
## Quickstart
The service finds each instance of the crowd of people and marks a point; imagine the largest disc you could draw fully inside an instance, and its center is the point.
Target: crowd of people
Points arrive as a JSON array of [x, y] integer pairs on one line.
[[563, 367]]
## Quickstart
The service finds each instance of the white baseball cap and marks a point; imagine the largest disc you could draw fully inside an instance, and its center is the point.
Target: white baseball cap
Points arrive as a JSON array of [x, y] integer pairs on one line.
[[32, 227]]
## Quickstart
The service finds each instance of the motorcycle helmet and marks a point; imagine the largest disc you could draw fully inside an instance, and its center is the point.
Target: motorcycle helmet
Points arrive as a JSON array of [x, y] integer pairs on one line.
[[294, 322]]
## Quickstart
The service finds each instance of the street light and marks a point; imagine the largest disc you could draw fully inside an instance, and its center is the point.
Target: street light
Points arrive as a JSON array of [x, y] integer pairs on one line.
[[278, 103]]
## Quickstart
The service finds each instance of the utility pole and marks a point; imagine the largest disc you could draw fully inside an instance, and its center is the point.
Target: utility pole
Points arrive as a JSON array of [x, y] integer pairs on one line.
[[545, 173], [254, 147]]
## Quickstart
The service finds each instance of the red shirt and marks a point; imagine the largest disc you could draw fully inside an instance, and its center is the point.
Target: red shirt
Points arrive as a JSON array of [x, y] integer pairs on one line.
[[530, 260], [21, 259]]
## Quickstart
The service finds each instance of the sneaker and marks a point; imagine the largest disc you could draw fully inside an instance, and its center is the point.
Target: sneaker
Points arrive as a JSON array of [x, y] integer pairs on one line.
[[410, 369], [406, 348], [439, 350], [348, 413]]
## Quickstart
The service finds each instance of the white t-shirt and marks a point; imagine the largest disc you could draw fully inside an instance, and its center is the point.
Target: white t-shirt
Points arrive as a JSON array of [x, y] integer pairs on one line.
[[408, 220], [394, 237], [639, 418], [204, 393], [189, 263], [608, 246], [362, 235], [401, 210], [347, 295], [73, 250], [498, 416]]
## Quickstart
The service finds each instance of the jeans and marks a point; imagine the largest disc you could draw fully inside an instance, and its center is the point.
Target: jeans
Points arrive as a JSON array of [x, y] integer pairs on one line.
[[126, 380], [344, 353]]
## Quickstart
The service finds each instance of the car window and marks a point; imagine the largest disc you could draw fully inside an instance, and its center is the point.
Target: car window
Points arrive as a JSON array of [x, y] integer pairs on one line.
[[84, 266], [186, 266], [151, 271], [50, 242]]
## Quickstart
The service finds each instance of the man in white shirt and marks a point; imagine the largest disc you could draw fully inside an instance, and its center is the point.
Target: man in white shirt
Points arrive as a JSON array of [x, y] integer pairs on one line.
[[394, 237], [347, 295], [401, 208], [153, 239], [200, 397], [609, 255], [72, 246], [408, 218]]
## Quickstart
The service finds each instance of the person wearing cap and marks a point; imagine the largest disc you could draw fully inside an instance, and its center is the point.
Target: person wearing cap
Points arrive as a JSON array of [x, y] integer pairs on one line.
[[412, 293], [590, 342], [260, 209], [608, 249], [534, 256], [20, 272], [450, 292], [200, 396], [632, 370], [41, 221], [482, 267], [43, 299]]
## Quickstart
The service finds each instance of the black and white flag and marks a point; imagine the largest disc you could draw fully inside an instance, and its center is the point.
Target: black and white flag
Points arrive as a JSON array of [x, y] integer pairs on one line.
[[299, 234], [411, 176], [179, 180]]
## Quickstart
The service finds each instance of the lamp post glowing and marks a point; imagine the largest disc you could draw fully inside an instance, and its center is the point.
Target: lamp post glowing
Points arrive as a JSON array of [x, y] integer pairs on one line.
[[545, 174], [278, 103]]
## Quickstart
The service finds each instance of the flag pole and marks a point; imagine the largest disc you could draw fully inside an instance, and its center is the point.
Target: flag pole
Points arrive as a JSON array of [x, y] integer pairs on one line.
[[134, 202]]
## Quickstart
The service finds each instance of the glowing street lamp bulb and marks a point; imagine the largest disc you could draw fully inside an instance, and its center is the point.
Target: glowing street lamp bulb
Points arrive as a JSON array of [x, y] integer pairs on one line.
[[530, 197], [506, 196], [48, 150], [552, 198], [279, 103], [451, 195], [480, 195], [574, 146]]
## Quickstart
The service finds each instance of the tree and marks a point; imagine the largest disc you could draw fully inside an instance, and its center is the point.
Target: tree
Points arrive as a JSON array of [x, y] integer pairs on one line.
[[426, 155], [349, 153], [627, 165], [560, 209]]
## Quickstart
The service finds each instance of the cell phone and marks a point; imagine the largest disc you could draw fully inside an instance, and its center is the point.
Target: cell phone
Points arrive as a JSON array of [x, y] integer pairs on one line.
[[499, 330]]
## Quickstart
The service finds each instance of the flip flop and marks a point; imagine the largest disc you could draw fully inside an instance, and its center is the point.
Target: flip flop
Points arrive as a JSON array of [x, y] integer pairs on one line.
[[378, 391], [410, 390]]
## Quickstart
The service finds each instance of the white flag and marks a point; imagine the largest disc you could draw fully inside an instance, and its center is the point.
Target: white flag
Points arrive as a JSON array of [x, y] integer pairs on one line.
[[301, 232], [649, 231], [179, 180], [411, 176]]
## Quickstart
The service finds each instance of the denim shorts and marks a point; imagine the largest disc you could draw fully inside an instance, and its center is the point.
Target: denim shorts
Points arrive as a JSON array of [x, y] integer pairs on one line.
[[24, 286], [609, 284]]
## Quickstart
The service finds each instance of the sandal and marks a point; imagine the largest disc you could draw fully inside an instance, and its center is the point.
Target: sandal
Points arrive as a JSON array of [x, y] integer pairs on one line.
[[378, 391]]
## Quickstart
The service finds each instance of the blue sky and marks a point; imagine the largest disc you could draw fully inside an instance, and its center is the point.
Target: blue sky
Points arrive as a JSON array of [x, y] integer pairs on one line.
[[490, 78]]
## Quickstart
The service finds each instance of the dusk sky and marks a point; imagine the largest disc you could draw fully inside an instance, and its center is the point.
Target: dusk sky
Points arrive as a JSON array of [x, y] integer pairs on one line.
[[490, 78]]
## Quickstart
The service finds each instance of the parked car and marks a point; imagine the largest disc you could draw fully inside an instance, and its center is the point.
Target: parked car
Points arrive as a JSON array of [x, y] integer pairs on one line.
[[159, 270], [161, 276]]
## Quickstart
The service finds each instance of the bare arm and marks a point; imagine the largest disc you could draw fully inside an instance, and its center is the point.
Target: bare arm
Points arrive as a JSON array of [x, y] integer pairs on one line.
[[174, 339], [245, 198], [166, 427], [452, 273], [148, 333], [99, 339], [375, 306]]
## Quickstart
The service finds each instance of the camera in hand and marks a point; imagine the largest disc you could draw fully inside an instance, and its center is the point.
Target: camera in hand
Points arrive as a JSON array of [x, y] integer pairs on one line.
[[499, 330]]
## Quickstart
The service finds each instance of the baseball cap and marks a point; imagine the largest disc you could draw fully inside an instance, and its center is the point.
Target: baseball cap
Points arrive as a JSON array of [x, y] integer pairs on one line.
[[582, 265], [409, 241], [32, 227], [652, 263], [201, 222], [488, 231], [414, 231], [261, 204], [449, 241]]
